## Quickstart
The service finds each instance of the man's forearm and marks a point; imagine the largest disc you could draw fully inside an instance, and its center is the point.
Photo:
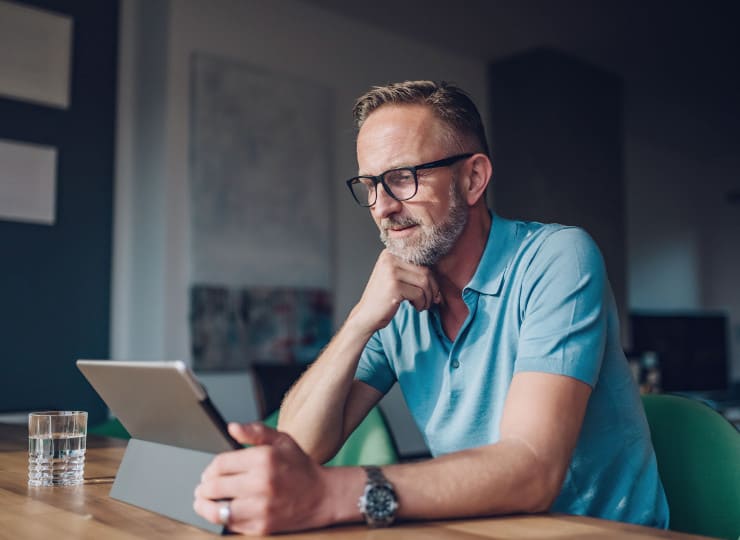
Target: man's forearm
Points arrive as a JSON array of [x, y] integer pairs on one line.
[[326, 404], [313, 411], [503, 478]]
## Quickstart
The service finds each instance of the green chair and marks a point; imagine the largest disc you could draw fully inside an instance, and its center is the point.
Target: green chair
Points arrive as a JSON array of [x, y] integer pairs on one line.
[[698, 453], [110, 428], [370, 444]]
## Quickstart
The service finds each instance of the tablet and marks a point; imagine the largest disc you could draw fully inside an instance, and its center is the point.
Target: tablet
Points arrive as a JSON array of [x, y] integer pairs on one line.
[[160, 402]]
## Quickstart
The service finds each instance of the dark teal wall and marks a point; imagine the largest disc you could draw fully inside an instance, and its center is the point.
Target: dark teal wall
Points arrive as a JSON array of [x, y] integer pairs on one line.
[[557, 145], [55, 280]]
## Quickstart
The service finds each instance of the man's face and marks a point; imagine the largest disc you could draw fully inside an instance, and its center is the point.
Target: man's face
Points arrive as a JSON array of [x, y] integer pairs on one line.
[[423, 229]]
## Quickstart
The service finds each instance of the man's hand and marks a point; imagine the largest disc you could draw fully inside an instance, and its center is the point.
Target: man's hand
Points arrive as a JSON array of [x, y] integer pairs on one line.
[[391, 282], [273, 486]]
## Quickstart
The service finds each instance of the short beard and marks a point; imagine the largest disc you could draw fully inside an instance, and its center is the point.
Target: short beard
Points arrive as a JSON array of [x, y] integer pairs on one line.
[[433, 242]]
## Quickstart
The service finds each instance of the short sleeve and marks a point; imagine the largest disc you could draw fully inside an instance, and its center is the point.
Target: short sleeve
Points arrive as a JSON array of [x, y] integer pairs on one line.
[[563, 308], [374, 368]]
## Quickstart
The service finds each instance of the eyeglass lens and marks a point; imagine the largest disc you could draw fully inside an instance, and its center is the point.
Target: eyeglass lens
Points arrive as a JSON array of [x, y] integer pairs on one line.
[[400, 182]]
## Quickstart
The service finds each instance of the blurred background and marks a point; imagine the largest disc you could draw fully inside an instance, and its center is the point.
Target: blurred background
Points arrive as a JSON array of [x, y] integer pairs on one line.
[[188, 159]]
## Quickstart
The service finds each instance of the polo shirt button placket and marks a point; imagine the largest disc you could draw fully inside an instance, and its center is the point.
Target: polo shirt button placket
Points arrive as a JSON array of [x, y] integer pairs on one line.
[[455, 363]]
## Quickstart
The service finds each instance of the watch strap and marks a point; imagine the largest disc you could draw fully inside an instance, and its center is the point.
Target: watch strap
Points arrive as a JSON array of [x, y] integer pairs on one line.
[[377, 480], [375, 475]]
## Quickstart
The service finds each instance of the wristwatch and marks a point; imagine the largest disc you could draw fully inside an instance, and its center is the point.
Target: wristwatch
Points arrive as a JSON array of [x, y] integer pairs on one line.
[[378, 503]]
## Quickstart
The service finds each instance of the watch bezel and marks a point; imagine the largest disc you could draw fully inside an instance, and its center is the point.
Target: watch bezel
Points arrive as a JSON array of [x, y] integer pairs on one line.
[[373, 518]]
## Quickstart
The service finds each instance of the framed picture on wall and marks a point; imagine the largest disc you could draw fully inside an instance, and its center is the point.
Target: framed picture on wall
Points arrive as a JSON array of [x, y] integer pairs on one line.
[[260, 210]]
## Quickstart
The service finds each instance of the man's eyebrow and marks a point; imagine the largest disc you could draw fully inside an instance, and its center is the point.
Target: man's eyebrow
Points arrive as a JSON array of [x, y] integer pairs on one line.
[[392, 168]]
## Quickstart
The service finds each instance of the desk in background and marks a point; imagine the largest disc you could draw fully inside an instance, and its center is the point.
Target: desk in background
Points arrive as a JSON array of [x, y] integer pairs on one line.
[[86, 511]]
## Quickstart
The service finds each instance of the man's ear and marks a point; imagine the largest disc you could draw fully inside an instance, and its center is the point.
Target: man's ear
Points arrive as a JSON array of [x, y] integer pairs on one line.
[[480, 170]]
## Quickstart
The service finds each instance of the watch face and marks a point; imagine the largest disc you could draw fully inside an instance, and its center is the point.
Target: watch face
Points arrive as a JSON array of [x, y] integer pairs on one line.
[[380, 503]]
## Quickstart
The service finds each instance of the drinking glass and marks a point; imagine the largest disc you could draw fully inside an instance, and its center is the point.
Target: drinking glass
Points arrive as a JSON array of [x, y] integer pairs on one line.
[[56, 448]]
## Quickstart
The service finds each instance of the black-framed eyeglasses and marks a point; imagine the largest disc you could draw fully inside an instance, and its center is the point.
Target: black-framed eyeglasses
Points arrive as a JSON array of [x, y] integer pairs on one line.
[[401, 183]]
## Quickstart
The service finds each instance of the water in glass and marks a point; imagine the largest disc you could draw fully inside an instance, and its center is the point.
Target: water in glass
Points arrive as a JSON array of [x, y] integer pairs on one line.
[[56, 458]]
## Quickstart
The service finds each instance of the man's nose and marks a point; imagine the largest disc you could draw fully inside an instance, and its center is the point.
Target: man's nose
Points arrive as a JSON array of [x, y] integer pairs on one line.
[[385, 205]]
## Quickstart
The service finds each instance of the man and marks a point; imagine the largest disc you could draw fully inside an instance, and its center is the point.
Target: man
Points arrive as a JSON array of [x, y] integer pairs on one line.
[[503, 336]]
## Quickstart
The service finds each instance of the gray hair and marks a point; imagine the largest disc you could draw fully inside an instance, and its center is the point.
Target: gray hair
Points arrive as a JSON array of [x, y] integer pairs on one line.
[[450, 104]]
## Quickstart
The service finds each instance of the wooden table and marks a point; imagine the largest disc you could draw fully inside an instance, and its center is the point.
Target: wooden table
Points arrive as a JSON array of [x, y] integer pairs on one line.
[[86, 511]]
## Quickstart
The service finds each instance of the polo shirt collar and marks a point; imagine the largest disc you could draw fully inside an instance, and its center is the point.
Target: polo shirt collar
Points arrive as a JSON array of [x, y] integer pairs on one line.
[[497, 255]]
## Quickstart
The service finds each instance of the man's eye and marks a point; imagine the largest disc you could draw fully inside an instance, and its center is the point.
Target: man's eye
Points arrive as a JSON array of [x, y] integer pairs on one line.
[[399, 177]]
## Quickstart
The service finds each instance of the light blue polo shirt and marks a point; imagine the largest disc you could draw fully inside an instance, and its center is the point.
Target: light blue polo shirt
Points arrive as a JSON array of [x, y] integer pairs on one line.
[[539, 301]]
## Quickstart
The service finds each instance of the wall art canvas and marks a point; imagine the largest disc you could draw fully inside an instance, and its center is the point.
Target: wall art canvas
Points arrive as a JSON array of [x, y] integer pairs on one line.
[[259, 176], [233, 328], [260, 250]]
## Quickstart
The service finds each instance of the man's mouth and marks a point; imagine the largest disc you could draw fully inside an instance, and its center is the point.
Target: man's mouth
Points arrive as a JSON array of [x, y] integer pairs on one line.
[[400, 230]]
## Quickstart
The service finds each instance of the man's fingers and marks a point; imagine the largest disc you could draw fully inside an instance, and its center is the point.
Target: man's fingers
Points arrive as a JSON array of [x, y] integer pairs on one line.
[[222, 487], [268, 445], [241, 509], [248, 515], [239, 461], [417, 296], [252, 516], [255, 433], [423, 281], [421, 276], [228, 463], [208, 509]]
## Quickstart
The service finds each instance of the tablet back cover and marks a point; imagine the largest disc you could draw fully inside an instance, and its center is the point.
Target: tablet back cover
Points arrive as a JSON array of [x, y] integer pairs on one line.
[[158, 402]]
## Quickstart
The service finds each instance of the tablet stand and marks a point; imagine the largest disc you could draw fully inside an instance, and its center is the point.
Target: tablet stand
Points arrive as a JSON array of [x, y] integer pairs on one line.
[[162, 478]]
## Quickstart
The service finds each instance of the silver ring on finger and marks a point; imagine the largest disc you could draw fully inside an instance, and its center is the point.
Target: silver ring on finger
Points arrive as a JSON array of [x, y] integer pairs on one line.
[[224, 512]]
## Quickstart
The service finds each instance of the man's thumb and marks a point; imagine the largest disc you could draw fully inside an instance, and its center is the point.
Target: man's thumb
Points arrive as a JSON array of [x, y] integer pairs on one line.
[[253, 433]]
